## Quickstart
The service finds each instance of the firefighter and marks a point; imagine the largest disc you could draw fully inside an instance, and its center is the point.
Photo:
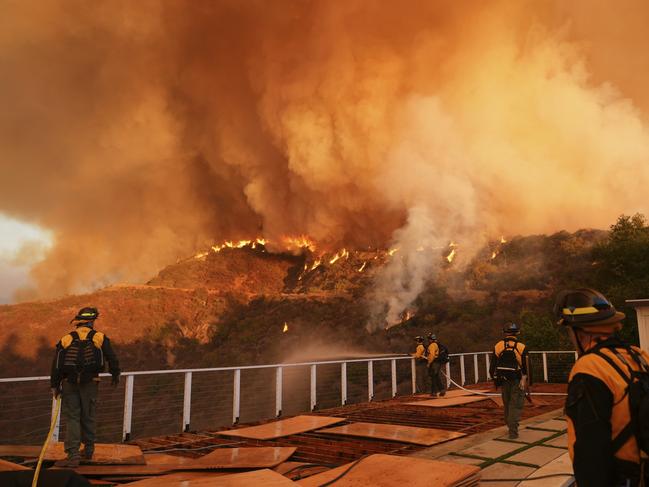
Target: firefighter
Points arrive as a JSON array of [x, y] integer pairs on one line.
[[421, 363], [436, 354], [509, 370], [603, 398], [79, 358]]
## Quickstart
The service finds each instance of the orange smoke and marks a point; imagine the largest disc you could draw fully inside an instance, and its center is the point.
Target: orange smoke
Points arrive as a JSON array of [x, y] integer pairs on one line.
[[140, 132]]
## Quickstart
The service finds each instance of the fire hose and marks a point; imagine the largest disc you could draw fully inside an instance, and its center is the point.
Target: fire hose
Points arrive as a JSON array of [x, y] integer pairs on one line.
[[487, 394], [55, 417]]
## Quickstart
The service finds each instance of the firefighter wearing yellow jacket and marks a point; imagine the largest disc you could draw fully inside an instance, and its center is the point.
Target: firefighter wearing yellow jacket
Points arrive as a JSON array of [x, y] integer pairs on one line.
[[80, 357], [508, 367], [435, 362], [608, 394], [421, 364]]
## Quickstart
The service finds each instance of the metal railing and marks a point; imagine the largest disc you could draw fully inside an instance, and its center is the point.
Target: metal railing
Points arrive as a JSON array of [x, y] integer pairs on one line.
[[387, 376]]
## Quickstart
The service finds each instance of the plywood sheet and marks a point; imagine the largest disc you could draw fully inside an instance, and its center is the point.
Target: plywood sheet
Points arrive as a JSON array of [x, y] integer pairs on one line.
[[284, 427], [222, 458], [390, 470], [105, 453], [6, 466], [264, 477], [448, 402], [405, 434]]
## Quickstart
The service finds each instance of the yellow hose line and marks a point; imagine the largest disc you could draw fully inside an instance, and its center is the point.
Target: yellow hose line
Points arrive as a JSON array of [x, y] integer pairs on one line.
[[55, 416]]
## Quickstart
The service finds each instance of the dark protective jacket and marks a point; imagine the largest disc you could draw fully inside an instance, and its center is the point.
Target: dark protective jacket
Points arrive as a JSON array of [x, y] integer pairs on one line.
[[99, 341], [520, 351], [598, 410]]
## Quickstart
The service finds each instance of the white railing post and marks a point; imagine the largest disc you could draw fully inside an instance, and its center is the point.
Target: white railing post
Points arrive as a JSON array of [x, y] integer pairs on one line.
[[462, 371], [370, 381], [343, 383], [57, 425], [187, 401], [475, 368], [576, 356], [393, 374], [487, 365], [128, 408], [448, 375], [278, 391], [236, 396], [313, 388], [545, 367], [413, 374]]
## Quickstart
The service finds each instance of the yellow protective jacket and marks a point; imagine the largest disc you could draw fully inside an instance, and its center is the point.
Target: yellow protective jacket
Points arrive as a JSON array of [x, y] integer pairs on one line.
[[100, 341], [598, 411], [433, 352], [420, 352], [520, 351]]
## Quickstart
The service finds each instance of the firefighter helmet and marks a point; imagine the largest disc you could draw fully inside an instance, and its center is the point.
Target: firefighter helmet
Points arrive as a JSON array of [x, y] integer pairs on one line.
[[585, 308]]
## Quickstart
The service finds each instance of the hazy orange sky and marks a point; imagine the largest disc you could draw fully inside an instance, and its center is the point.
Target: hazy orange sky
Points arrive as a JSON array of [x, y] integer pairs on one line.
[[136, 133]]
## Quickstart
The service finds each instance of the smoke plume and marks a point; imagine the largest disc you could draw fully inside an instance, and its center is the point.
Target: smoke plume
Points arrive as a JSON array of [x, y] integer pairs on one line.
[[139, 132]]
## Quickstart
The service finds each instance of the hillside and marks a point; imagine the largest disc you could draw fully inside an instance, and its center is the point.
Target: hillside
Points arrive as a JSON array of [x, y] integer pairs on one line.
[[229, 306]]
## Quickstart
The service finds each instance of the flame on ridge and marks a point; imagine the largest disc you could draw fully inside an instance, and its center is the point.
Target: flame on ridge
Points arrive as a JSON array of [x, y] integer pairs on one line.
[[343, 253], [362, 267], [285, 329]]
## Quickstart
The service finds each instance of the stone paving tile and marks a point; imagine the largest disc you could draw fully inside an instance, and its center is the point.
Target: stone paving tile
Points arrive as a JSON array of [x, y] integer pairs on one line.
[[491, 449], [504, 471], [459, 459], [561, 441], [537, 455], [559, 465], [553, 424], [530, 436]]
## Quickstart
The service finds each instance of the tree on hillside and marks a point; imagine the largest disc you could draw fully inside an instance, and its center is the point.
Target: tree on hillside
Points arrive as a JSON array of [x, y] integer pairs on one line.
[[622, 266]]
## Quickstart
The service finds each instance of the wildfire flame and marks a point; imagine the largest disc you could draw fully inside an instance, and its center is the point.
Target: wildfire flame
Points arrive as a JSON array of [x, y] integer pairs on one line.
[[362, 267], [285, 329], [502, 239], [339, 255], [393, 251], [451, 256], [316, 264], [201, 255], [493, 254], [300, 242]]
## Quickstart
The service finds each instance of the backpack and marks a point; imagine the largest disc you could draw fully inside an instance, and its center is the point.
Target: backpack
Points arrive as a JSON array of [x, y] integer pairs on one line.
[[443, 354], [81, 360], [507, 366], [638, 392]]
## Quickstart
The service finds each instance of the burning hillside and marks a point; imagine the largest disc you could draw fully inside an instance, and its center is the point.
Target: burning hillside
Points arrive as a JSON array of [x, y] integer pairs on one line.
[[241, 303]]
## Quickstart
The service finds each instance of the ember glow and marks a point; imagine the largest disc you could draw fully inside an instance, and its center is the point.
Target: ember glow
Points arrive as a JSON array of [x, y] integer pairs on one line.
[[334, 120], [285, 329]]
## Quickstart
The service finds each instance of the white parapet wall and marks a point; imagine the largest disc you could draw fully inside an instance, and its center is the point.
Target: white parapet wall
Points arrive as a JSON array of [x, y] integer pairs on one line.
[[642, 311]]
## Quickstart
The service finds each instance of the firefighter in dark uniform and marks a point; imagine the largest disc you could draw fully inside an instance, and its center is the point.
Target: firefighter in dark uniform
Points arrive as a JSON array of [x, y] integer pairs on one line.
[[509, 369], [421, 364], [80, 357], [603, 443], [435, 367]]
